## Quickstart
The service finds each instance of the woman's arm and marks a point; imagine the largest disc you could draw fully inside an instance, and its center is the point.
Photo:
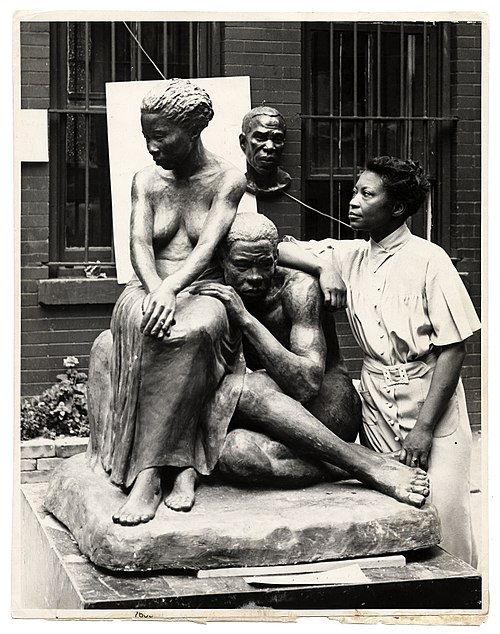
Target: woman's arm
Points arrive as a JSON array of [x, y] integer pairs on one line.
[[141, 236], [216, 226], [418, 443], [326, 270], [160, 306]]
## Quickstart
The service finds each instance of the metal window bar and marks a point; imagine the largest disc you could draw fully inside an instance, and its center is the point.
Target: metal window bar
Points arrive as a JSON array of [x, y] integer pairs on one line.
[[87, 142], [61, 108], [414, 46], [331, 126], [379, 84], [355, 105], [165, 49], [191, 47], [327, 117], [401, 135], [340, 83]]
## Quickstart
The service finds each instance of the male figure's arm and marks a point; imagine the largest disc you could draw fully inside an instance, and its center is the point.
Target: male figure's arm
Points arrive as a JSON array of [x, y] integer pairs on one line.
[[299, 371]]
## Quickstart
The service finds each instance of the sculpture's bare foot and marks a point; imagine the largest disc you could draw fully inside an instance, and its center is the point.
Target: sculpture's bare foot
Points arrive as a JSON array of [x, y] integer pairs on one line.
[[181, 498], [405, 484], [143, 499]]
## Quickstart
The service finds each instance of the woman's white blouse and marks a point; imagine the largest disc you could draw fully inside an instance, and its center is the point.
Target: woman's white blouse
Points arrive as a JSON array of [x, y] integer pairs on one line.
[[404, 296]]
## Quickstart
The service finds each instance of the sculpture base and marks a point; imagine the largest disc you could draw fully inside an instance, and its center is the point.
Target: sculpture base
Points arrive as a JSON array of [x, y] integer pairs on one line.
[[230, 526], [57, 578]]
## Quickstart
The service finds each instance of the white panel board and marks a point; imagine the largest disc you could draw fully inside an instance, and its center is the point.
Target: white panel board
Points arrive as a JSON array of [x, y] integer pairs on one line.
[[31, 136], [128, 153]]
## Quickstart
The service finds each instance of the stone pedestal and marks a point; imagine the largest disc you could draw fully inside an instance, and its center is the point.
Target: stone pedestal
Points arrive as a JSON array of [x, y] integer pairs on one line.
[[58, 579], [229, 526]]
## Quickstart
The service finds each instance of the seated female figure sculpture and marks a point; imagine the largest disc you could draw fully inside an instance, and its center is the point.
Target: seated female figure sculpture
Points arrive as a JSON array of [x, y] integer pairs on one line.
[[175, 362]]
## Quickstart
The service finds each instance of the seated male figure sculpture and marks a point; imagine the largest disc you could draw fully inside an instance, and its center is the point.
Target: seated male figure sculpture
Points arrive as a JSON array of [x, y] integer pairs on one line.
[[297, 407], [262, 139], [291, 415]]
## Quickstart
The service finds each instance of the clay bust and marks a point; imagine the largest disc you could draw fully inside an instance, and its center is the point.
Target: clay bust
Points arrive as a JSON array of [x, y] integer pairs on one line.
[[262, 140]]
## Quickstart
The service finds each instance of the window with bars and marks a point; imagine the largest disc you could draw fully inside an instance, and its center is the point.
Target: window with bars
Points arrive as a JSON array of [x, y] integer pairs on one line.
[[372, 89], [84, 56]]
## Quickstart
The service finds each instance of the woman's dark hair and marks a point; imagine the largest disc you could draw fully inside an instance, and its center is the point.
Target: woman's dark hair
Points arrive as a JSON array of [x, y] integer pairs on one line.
[[404, 181]]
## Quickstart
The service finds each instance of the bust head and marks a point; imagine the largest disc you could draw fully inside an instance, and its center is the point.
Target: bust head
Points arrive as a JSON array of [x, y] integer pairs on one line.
[[248, 255], [262, 140]]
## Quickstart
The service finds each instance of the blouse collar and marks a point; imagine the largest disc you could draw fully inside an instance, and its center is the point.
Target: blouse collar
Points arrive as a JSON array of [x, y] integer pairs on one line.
[[380, 251]]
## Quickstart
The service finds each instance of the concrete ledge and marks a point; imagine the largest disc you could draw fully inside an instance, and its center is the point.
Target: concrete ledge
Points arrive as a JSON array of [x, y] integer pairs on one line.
[[78, 291], [39, 456], [67, 447], [38, 448]]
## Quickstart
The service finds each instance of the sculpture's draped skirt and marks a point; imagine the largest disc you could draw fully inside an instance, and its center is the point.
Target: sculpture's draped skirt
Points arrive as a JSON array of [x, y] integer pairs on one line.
[[172, 399]]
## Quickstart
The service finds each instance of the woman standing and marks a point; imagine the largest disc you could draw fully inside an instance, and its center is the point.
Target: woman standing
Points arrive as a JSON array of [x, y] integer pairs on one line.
[[411, 315]]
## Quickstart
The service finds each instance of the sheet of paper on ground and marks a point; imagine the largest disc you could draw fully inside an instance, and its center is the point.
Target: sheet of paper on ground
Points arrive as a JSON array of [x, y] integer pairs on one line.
[[349, 574]]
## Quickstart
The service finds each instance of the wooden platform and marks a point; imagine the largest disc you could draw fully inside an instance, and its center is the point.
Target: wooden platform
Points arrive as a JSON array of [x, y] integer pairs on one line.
[[56, 576]]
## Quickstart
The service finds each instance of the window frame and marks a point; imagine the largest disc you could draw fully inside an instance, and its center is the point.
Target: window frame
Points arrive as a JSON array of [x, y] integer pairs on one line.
[[204, 61], [430, 224]]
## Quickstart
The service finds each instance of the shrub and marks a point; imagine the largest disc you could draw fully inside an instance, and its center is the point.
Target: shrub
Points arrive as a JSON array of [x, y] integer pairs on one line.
[[61, 410]]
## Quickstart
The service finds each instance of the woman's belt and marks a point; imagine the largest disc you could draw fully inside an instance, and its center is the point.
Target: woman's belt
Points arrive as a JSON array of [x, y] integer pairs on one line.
[[402, 373]]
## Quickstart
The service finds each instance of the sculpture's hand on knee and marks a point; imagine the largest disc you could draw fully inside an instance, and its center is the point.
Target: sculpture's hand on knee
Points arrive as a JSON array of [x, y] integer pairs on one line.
[[159, 309]]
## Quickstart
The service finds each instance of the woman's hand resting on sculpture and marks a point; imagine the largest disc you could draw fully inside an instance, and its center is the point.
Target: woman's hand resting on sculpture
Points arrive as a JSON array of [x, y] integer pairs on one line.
[[417, 447], [332, 285], [159, 309], [235, 308]]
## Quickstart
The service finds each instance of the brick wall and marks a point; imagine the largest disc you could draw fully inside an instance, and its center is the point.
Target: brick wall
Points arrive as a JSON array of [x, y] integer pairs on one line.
[[34, 65], [466, 187], [48, 333]]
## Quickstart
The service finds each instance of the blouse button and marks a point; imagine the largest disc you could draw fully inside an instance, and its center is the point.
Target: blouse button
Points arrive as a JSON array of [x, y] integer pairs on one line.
[[389, 404], [396, 438]]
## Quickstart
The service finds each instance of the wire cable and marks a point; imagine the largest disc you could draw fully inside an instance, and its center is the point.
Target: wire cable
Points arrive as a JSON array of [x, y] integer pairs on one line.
[[142, 48], [321, 213]]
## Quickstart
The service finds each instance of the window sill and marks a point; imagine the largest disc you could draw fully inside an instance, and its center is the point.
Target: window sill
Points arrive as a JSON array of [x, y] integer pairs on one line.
[[78, 291]]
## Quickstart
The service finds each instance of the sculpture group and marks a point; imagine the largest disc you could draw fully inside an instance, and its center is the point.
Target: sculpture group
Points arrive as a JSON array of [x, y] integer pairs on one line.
[[217, 358], [220, 359]]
